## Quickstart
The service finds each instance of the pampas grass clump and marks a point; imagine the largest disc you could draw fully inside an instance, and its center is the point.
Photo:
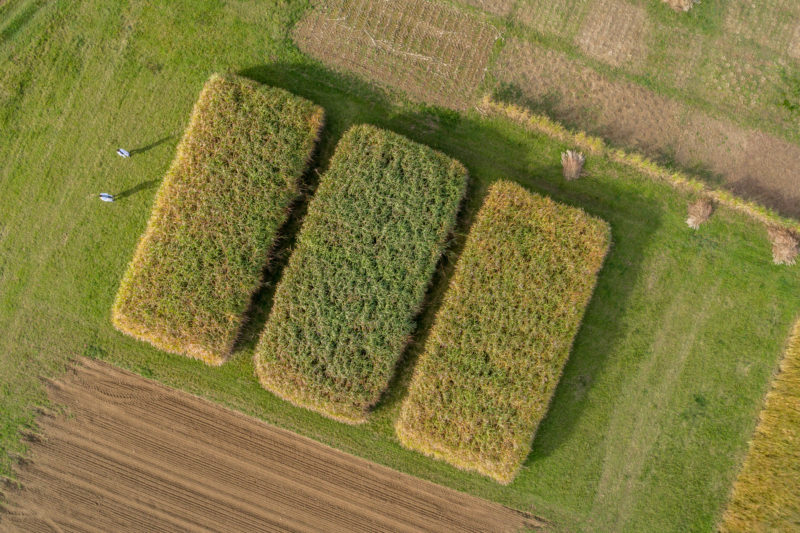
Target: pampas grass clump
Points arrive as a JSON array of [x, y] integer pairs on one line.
[[699, 212], [784, 245], [572, 163]]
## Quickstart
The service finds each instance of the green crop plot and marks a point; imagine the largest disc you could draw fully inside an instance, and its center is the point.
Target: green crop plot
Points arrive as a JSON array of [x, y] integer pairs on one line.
[[345, 307], [228, 191], [499, 343]]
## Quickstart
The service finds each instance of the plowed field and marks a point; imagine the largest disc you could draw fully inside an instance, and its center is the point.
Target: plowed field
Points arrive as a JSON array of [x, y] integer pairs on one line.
[[132, 455]]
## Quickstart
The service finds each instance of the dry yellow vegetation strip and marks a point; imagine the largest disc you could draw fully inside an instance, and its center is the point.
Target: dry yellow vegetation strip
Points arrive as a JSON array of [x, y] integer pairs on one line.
[[640, 163], [766, 496], [344, 309], [237, 170], [504, 332]]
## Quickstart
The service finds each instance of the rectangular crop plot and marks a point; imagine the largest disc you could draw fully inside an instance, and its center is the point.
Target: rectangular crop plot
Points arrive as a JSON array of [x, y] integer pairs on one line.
[[434, 52], [503, 334], [237, 170], [344, 310]]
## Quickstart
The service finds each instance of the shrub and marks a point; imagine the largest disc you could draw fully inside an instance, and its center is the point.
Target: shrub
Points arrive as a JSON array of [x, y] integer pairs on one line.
[[699, 212], [237, 170], [766, 495], [572, 164], [499, 343], [366, 253], [784, 245]]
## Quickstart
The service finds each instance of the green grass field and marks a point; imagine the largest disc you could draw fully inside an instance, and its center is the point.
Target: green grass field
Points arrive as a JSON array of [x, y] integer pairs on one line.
[[237, 171], [650, 422]]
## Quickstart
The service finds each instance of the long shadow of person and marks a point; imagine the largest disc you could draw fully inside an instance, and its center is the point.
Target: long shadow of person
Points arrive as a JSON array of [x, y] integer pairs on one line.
[[143, 186], [152, 145]]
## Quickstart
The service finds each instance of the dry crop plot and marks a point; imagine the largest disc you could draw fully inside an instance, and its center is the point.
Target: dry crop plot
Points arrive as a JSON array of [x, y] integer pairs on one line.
[[615, 32], [216, 217], [554, 17], [345, 307], [754, 164], [766, 495], [771, 24], [434, 52], [503, 334]]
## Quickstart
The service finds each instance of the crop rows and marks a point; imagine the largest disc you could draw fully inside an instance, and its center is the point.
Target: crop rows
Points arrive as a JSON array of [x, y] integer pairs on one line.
[[345, 307], [237, 170], [499, 343]]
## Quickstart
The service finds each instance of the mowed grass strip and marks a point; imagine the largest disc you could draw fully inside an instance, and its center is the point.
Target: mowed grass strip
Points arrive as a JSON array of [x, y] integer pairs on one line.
[[766, 496], [345, 308], [237, 170], [499, 343]]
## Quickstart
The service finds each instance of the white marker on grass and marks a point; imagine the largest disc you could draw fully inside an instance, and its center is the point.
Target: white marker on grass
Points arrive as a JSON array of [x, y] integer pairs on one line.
[[106, 197], [123, 153]]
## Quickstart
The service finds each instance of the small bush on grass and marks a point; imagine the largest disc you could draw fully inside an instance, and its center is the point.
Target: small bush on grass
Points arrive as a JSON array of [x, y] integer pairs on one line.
[[503, 334], [699, 212], [784, 245], [572, 164], [370, 242], [237, 170], [766, 496]]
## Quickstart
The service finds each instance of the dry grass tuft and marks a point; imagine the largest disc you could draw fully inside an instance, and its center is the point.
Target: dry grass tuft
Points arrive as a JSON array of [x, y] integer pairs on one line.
[[345, 308], [499, 343], [699, 212], [766, 495], [237, 170], [572, 164], [784, 245], [681, 5]]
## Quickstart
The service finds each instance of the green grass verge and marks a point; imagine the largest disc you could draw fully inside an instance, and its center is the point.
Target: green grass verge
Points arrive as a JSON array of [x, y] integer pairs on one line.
[[766, 495], [650, 422], [499, 343], [216, 217], [344, 310]]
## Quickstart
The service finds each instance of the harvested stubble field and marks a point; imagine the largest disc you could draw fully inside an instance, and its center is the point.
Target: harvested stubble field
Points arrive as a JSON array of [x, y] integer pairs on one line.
[[650, 422], [431, 51], [499, 343], [766, 495], [344, 310], [132, 455], [216, 217]]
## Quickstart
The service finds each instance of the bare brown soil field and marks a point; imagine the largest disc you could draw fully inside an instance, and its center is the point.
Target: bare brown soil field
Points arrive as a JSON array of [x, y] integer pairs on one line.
[[751, 163], [133, 455], [434, 52]]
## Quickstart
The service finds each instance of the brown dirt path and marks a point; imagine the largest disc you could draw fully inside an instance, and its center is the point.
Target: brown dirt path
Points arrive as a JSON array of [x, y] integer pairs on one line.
[[136, 456]]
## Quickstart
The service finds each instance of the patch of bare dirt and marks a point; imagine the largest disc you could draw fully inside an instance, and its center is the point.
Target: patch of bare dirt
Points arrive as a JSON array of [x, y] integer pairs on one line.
[[752, 163], [496, 7], [614, 32], [137, 456], [680, 5], [434, 52]]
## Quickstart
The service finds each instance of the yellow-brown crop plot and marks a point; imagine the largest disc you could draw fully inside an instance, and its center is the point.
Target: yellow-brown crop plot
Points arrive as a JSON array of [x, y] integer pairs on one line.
[[766, 496], [216, 218], [504, 332], [434, 52]]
